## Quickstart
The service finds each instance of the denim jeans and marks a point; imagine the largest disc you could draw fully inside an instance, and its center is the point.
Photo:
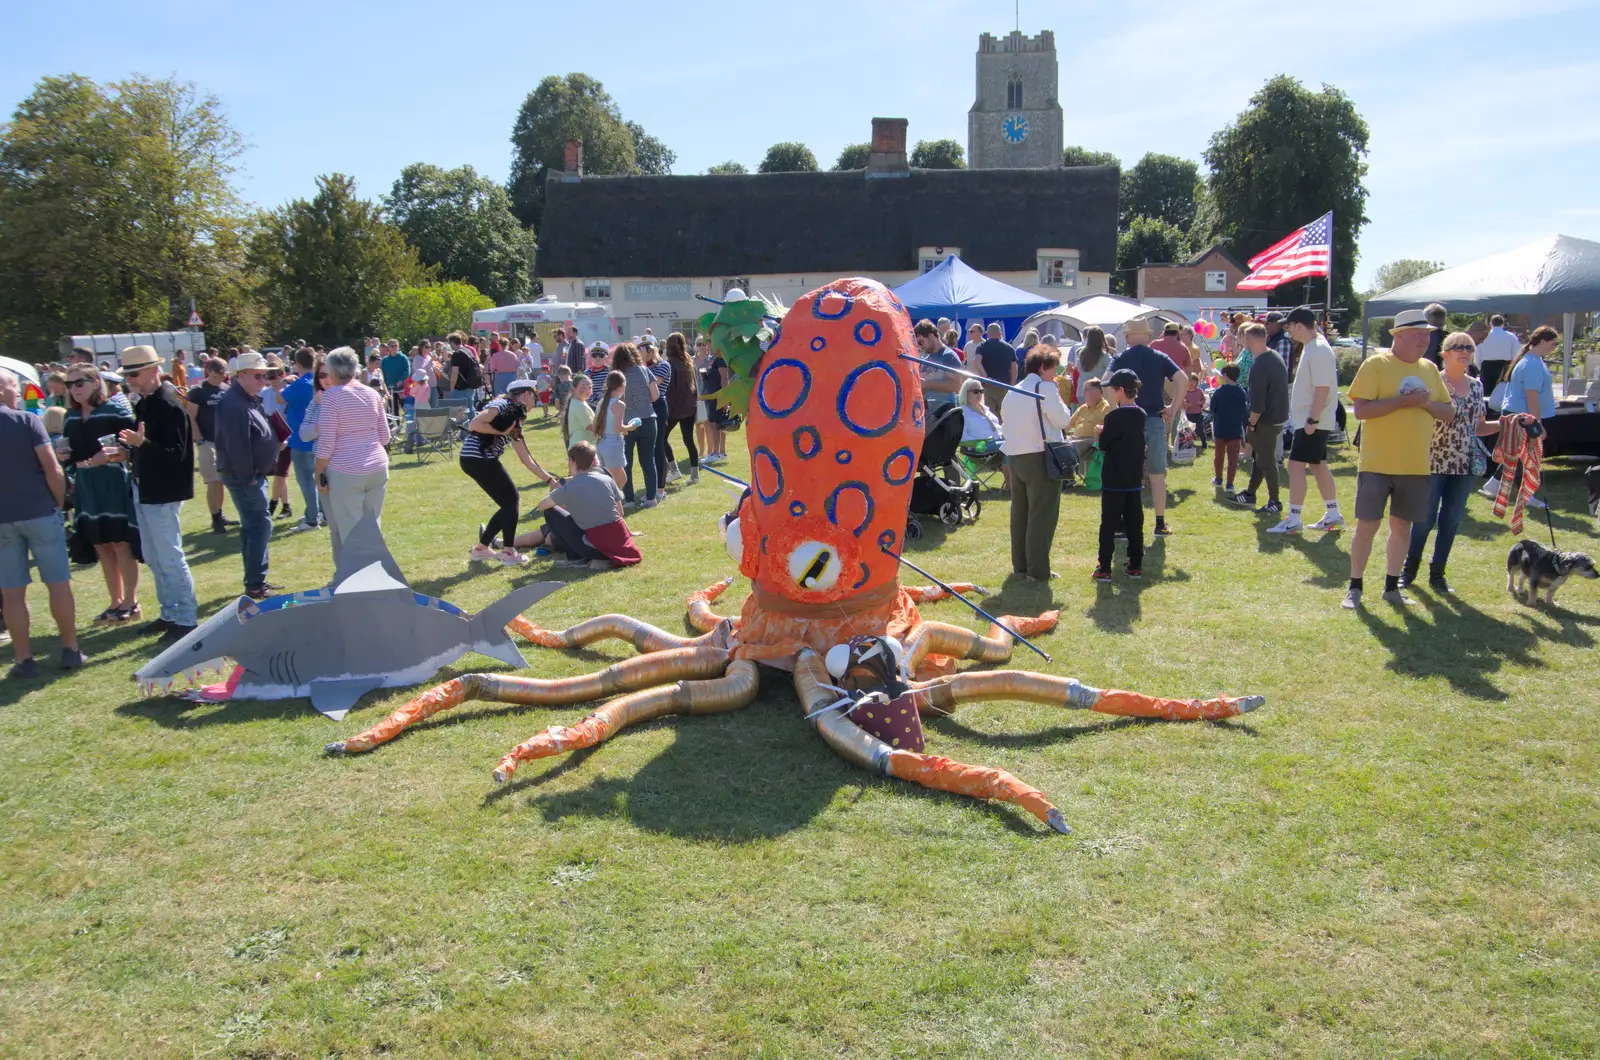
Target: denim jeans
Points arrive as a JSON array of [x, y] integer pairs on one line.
[[255, 526], [642, 441], [304, 462], [162, 541], [1447, 506]]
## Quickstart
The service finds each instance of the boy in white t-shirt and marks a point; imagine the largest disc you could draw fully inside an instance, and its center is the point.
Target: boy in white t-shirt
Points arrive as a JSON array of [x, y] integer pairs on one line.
[[1312, 416]]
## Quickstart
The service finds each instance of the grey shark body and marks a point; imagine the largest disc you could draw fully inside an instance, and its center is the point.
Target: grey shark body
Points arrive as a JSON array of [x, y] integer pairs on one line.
[[365, 630]]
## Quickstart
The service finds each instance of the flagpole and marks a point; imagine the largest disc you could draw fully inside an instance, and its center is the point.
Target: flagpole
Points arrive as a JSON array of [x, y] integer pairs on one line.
[[1327, 313]]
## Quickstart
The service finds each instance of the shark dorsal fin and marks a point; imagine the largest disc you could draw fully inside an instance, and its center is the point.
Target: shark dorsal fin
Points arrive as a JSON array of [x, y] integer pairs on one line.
[[369, 579], [361, 548]]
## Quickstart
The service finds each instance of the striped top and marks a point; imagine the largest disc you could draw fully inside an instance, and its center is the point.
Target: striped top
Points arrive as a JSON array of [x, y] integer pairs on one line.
[[507, 414], [352, 430]]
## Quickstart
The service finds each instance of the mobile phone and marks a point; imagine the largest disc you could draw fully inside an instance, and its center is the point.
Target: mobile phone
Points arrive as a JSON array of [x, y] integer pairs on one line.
[[322, 479]]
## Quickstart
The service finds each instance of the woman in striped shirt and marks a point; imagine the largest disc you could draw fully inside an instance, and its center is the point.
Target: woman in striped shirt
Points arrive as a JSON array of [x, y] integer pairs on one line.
[[352, 466], [661, 370], [497, 423]]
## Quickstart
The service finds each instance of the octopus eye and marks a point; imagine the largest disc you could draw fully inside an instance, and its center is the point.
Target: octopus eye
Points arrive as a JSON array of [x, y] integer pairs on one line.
[[814, 565]]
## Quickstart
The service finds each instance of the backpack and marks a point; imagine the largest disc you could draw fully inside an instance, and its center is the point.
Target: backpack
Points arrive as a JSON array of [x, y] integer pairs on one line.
[[468, 376]]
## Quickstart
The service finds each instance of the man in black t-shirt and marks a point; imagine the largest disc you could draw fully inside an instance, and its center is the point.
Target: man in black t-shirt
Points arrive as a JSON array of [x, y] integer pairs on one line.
[[465, 372], [999, 363], [202, 407]]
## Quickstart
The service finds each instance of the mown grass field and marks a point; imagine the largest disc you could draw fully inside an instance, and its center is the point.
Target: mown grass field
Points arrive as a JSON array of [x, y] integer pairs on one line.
[[1397, 856]]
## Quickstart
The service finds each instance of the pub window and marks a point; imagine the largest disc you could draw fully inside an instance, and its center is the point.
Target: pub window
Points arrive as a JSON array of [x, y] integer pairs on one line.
[[1058, 271], [597, 289]]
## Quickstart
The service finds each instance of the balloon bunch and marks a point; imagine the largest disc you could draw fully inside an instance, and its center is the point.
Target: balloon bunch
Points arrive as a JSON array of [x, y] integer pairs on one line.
[[1205, 328]]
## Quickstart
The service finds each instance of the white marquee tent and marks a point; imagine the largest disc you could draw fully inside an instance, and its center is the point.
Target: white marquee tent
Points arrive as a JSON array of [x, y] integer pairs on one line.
[[1109, 312]]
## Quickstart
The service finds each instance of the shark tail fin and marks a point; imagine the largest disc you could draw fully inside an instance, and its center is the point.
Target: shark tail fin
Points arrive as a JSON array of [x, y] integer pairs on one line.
[[489, 636]]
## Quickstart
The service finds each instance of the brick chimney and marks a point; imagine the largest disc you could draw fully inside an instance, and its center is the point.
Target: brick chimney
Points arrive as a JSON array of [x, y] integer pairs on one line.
[[572, 161], [888, 157]]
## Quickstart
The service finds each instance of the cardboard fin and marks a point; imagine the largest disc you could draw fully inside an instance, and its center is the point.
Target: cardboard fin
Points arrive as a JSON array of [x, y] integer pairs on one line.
[[361, 548], [489, 635], [335, 698]]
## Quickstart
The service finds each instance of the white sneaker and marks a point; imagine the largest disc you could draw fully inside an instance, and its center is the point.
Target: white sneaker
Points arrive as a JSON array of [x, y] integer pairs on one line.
[[510, 557], [1331, 521], [1535, 502], [673, 474], [1288, 526], [1491, 489], [481, 554]]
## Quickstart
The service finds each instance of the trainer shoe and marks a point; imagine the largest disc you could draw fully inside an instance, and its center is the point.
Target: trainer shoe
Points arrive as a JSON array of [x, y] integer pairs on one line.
[[1101, 575], [510, 557], [25, 669], [1270, 508], [1162, 529], [1131, 571], [1291, 525], [1216, 482], [1243, 499], [1352, 600], [72, 659], [1408, 578], [1329, 522], [1397, 598], [1535, 502], [1438, 584], [481, 554], [1491, 489], [174, 633]]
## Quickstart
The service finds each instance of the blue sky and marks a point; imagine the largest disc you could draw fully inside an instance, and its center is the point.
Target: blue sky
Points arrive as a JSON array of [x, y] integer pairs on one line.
[[1485, 115]]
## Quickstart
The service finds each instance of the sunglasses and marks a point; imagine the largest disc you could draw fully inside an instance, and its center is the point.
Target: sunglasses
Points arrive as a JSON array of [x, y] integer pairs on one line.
[[82, 382]]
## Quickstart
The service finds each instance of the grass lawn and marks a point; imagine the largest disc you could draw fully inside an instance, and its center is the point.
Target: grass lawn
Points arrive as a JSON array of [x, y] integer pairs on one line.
[[1397, 856]]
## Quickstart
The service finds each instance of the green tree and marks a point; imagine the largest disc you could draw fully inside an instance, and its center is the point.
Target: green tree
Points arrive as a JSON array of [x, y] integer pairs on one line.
[[329, 266], [1160, 186], [1082, 156], [116, 207], [651, 157], [561, 108], [722, 169], [854, 156], [938, 154], [463, 223], [788, 157], [430, 310], [1146, 241], [1290, 157], [1399, 273]]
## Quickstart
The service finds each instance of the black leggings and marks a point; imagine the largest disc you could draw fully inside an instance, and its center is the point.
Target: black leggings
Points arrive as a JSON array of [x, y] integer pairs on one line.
[[686, 430], [496, 482]]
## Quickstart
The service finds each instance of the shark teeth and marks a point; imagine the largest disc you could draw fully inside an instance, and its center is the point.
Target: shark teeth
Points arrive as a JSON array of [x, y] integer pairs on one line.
[[217, 669]]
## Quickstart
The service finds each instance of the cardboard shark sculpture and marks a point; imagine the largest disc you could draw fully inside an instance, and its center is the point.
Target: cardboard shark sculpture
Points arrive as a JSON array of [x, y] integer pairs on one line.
[[367, 629]]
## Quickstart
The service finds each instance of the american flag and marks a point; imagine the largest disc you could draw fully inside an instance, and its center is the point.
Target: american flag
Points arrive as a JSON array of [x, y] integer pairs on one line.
[[1304, 252]]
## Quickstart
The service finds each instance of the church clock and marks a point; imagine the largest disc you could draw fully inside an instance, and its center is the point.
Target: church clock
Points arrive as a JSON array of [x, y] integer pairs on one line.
[[1014, 128]]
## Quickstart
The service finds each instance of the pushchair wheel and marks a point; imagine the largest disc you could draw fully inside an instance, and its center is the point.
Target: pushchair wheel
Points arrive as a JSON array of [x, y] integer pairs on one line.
[[913, 529], [950, 514], [972, 506]]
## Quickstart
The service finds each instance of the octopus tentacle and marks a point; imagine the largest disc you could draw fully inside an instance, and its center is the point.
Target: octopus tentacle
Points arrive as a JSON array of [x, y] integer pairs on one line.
[[701, 616], [732, 691], [941, 696], [626, 676], [860, 748], [927, 594], [935, 642], [642, 635]]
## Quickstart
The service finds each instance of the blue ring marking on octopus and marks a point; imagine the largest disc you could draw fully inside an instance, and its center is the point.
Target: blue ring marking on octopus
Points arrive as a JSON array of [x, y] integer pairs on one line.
[[916, 413], [865, 574], [819, 343], [849, 304], [797, 508], [777, 333], [877, 332], [805, 386], [886, 539], [843, 456], [866, 495], [755, 474], [763, 544], [850, 385], [911, 466], [809, 435]]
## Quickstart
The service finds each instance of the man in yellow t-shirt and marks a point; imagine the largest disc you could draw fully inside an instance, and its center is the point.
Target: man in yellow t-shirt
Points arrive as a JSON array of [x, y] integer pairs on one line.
[[1397, 397]]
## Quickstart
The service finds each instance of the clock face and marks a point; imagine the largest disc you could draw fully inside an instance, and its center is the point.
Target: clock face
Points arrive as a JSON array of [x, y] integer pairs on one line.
[[1014, 128]]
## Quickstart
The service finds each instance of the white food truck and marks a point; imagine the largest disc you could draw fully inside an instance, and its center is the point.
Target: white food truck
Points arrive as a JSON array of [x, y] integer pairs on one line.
[[539, 319]]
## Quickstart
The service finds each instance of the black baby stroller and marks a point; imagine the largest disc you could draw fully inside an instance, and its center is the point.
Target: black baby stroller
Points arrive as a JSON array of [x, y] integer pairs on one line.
[[942, 486]]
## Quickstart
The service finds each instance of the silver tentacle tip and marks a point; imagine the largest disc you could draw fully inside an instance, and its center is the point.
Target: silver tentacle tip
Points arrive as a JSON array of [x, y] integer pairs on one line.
[[335, 748], [1057, 822], [1249, 703], [500, 777]]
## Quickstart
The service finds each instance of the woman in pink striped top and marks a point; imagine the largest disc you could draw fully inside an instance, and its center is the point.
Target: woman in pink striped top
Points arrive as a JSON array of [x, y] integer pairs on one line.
[[352, 464]]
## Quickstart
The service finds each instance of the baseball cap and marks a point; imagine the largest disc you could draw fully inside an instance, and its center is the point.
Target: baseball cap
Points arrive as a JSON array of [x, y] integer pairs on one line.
[[1411, 318], [1302, 316], [1122, 379], [1274, 318]]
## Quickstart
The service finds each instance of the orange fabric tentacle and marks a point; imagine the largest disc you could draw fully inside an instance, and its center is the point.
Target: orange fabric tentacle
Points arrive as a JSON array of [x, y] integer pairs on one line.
[[1138, 705], [979, 782], [701, 616], [450, 694], [928, 594]]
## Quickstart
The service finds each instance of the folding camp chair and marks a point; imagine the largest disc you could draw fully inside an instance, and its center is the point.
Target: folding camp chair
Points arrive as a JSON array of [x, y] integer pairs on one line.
[[435, 434]]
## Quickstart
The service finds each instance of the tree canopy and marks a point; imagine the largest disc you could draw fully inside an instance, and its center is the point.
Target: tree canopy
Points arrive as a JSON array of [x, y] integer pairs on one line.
[[430, 310], [328, 266], [854, 156], [1399, 273], [463, 223], [1160, 186], [788, 157], [1290, 157], [116, 207], [726, 168], [1146, 241], [1082, 156], [938, 154], [561, 108], [651, 157]]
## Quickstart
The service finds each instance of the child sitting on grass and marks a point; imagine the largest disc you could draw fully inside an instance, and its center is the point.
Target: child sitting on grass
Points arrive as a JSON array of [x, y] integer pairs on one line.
[[583, 517], [1121, 499]]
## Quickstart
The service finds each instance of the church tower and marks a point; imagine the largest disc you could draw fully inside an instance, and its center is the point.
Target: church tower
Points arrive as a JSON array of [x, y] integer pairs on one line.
[[1016, 122]]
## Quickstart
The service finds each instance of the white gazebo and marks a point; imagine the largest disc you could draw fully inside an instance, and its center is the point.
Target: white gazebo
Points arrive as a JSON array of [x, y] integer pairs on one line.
[[1109, 312]]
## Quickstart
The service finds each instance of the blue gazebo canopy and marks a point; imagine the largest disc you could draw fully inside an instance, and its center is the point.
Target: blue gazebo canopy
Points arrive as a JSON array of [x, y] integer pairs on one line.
[[956, 290]]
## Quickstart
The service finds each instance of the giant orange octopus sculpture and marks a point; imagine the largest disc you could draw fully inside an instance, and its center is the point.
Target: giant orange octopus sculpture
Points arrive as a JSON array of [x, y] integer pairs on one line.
[[835, 426]]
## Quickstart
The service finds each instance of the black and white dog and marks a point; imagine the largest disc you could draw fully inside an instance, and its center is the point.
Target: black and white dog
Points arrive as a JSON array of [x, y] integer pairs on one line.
[[1530, 568]]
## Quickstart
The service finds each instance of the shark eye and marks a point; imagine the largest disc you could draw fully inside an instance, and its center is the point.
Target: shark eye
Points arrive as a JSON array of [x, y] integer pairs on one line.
[[198, 645]]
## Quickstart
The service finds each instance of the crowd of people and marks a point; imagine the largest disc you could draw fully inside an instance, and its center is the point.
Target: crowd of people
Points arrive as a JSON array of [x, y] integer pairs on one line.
[[119, 447]]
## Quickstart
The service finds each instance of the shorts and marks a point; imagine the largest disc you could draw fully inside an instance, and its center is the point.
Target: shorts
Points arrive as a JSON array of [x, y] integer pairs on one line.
[[993, 395], [612, 453], [206, 459], [1309, 448], [1155, 445], [1406, 496], [45, 538]]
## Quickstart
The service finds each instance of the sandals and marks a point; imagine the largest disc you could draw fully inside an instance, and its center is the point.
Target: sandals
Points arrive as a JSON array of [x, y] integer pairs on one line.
[[112, 616]]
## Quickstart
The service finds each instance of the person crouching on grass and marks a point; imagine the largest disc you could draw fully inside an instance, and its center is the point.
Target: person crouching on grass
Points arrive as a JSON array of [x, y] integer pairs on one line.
[[583, 517], [1122, 441]]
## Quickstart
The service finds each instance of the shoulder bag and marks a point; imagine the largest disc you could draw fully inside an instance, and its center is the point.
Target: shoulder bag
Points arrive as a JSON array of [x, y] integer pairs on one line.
[[1060, 458]]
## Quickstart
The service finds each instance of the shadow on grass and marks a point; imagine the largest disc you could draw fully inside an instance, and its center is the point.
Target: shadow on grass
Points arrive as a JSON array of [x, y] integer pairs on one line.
[[1460, 643], [1116, 606], [1104, 724]]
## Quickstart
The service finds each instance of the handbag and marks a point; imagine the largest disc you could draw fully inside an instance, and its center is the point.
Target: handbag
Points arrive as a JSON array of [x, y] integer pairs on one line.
[[1060, 458], [1093, 467]]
